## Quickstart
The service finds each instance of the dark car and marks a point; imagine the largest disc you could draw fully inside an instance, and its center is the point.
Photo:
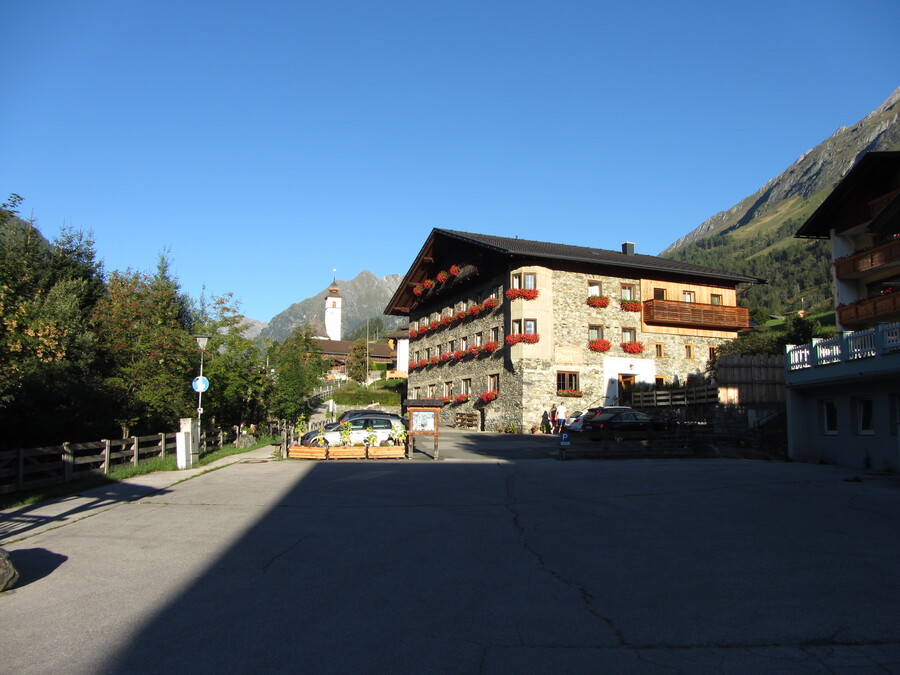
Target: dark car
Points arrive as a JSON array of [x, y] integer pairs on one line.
[[627, 421], [587, 422]]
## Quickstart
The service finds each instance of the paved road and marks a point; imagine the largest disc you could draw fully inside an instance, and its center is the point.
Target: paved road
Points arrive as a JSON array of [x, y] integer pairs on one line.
[[474, 565]]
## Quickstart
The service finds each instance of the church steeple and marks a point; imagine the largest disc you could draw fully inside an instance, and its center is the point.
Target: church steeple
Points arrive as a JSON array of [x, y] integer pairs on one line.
[[333, 310]]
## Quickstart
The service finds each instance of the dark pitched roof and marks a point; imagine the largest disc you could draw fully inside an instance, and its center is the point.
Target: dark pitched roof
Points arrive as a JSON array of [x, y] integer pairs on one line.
[[871, 176], [342, 348], [440, 239], [556, 251]]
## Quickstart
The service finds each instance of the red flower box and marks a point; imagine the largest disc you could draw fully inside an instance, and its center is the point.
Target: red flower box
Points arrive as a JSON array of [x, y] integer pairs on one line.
[[434, 360], [413, 333], [572, 393], [454, 270], [474, 310], [412, 365], [489, 396], [460, 398], [459, 354], [422, 363], [599, 345], [512, 293], [525, 293], [434, 325], [460, 316], [529, 294], [491, 346], [490, 303], [474, 350], [428, 283], [446, 320], [446, 356], [418, 289], [445, 399], [513, 339], [442, 276], [631, 305], [632, 347], [531, 338], [598, 301]]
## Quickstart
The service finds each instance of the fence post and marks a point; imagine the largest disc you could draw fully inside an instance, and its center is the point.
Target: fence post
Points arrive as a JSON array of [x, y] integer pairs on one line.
[[107, 448], [221, 438], [136, 453], [68, 459], [162, 445]]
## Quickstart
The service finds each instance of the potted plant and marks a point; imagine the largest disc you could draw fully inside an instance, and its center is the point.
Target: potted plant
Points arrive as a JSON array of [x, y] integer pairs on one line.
[[490, 346], [531, 338], [460, 398], [599, 345], [599, 301], [630, 305], [488, 396], [513, 338], [632, 347]]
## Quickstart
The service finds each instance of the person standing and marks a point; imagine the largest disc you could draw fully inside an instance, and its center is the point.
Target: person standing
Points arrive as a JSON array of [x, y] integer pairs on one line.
[[561, 412], [553, 418]]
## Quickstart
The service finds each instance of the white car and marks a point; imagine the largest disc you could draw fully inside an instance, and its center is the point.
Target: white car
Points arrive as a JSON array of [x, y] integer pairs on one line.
[[360, 428]]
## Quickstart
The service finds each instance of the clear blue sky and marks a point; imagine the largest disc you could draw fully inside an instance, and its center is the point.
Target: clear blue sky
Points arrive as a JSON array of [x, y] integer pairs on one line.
[[264, 143]]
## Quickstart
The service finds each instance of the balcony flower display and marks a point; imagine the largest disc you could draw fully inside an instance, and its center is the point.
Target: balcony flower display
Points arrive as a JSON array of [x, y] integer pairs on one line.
[[442, 276], [422, 363], [434, 325], [488, 396], [459, 354], [632, 347], [412, 365], [572, 393], [490, 304], [474, 310], [513, 338], [444, 399], [454, 270], [524, 293], [423, 329], [446, 356], [434, 360], [446, 320], [460, 316], [474, 350], [598, 301], [413, 333], [490, 346], [630, 305], [460, 398], [599, 345], [428, 284], [418, 289], [531, 338]]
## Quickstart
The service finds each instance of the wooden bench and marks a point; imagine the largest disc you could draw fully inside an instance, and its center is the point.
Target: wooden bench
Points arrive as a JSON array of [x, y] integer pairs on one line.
[[468, 420]]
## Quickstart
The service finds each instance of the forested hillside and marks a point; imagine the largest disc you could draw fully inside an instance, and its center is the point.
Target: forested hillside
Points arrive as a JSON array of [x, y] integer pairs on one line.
[[756, 236]]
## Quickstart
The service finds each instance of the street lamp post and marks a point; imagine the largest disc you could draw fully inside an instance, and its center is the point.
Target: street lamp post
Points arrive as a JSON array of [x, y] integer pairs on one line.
[[201, 342]]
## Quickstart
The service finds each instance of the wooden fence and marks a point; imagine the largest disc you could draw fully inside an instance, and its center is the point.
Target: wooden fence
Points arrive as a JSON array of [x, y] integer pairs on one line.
[[31, 468]]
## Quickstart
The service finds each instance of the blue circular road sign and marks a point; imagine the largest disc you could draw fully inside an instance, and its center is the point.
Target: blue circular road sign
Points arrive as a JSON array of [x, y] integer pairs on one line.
[[200, 384]]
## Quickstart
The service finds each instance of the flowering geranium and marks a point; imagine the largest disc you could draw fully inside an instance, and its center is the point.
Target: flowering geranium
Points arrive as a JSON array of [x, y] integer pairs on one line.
[[454, 270], [598, 301], [599, 345], [632, 347], [423, 329], [529, 294], [412, 365], [488, 396], [490, 303], [445, 399], [474, 350], [460, 398], [531, 338], [446, 320], [422, 363], [459, 354], [474, 310], [413, 333], [491, 346], [434, 325], [428, 283], [442, 276], [418, 289], [525, 293], [446, 356], [513, 339], [460, 316], [569, 392], [434, 360], [630, 305]]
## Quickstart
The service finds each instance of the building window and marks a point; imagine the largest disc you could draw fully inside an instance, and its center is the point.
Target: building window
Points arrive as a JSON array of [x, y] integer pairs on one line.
[[431, 390], [417, 393], [516, 326], [689, 351], [629, 335], [495, 334], [712, 353], [829, 416], [464, 342], [595, 288], [687, 296], [865, 424], [530, 280], [479, 339], [659, 293], [451, 346], [627, 292], [595, 332], [516, 281], [466, 386], [494, 382], [660, 382], [566, 380], [715, 299], [660, 350], [530, 326], [448, 389]]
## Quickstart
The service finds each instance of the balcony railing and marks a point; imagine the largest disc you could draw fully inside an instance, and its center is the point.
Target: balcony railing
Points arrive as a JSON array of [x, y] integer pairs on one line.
[[864, 344], [869, 310], [857, 266], [696, 315]]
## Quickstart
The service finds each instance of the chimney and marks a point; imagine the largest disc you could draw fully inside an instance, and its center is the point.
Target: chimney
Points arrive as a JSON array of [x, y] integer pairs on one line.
[[628, 248]]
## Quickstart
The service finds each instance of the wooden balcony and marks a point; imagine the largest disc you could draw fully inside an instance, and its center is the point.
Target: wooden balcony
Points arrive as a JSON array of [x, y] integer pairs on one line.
[[878, 258], [883, 308], [695, 315]]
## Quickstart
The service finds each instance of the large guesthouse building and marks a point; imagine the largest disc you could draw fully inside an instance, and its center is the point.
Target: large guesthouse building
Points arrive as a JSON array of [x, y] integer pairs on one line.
[[506, 326]]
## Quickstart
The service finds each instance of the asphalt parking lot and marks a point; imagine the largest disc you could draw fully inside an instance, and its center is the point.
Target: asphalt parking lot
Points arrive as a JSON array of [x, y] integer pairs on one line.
[[486, 562]]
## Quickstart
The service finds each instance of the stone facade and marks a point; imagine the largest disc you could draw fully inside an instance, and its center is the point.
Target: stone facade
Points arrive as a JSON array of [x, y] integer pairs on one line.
[[527, 375]]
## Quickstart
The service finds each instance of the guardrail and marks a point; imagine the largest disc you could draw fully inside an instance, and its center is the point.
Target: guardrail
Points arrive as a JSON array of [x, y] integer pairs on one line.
[[850, 346]]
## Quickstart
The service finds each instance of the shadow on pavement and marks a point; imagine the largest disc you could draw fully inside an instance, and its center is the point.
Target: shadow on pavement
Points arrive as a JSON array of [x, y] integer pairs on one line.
[[33, 564]]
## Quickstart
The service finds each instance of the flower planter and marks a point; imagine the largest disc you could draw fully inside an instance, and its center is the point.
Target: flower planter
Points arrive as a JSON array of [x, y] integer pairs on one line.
[[307, 452], [598, 301], [347, 452], [386, 452]]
